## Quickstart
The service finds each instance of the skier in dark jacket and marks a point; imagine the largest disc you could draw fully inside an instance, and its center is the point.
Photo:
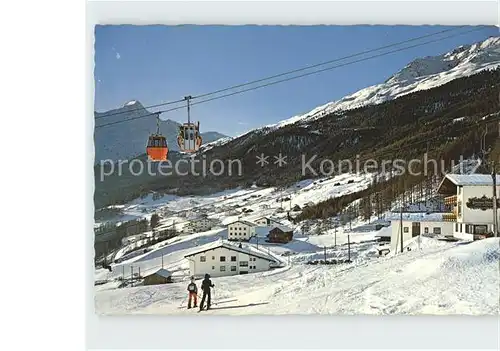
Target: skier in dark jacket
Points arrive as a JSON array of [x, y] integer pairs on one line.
[[193, 293], [206, 284]]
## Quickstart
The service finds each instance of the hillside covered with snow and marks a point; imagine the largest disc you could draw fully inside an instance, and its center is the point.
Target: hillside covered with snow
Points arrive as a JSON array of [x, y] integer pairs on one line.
[[441, 278]]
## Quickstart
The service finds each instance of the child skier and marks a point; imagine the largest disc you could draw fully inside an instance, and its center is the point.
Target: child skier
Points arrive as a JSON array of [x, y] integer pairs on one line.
[[193, 293]]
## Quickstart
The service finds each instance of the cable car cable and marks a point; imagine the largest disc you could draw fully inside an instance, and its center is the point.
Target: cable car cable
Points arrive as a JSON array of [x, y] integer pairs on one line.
[[288, 72], [326, 62], [291, 78]]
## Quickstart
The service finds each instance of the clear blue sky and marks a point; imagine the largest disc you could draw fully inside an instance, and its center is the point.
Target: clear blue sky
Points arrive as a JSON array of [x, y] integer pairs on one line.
[[155, 64]]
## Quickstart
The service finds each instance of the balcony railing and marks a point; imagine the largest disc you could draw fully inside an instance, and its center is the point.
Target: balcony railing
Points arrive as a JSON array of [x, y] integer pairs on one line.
[[450, 200], [449, 217]]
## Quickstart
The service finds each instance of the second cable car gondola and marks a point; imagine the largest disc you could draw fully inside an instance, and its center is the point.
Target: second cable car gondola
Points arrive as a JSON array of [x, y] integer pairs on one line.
[[189, 138], [157, 148]]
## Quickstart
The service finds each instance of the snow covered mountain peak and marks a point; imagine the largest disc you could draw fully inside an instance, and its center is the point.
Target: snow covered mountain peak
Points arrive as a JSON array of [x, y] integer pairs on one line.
[[420, 74], [131, 103], [477, 53]]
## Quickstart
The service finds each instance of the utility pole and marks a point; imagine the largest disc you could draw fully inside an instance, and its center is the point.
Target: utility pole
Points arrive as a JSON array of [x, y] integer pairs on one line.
[[335, 237], [495, 214], [350, 219], [348, 248], [401, 224]]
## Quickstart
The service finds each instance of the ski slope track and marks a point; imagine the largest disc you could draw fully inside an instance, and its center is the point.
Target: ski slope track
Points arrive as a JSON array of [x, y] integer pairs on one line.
[[421, 74], [439, 279]]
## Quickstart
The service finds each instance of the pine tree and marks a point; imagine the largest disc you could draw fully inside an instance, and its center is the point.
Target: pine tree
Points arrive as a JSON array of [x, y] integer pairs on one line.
[[155, 219]]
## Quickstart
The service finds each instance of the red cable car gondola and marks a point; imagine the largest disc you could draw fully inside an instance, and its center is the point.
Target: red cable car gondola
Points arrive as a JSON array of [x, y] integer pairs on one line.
[[157, 148]]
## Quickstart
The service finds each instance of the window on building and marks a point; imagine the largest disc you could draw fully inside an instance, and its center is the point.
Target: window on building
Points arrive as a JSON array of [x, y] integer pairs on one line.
[[203, 259], [456, 227], [480, 229], [233, 268], [405, 229], [233, 258], [436, 230], [243, 263], [223, 258], [461, 228], [426, 230], [213, 267], [213, 258], [222, 268]]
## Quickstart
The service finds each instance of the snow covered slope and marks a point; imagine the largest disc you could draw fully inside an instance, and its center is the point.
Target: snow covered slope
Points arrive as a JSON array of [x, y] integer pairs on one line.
[[420, 74], [441, 278]]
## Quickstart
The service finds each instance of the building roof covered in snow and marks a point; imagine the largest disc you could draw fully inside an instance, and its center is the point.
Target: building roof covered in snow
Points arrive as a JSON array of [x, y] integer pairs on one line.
[[243, 222], [472, 179], [161, 272], [451, 181], [223, 244], [283, 228], [266, 218]]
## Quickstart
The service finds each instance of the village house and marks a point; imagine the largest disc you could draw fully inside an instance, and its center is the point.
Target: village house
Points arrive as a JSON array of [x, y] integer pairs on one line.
[[223, 259], [198, 225], [161, 276], [240, 230], [427, 226], [470, 197], [265, 221], [280, 234]]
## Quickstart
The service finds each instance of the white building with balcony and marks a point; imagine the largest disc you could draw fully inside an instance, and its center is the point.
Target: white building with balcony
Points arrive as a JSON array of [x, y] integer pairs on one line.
[[471, 199]]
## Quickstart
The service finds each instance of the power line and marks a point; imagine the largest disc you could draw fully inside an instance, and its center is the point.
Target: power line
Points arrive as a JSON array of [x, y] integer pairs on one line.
[[291, 78], [287, 72]]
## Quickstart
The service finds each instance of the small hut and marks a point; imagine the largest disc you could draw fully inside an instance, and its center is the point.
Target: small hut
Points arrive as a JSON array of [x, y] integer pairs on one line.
[[280, 234], [161, 276]]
